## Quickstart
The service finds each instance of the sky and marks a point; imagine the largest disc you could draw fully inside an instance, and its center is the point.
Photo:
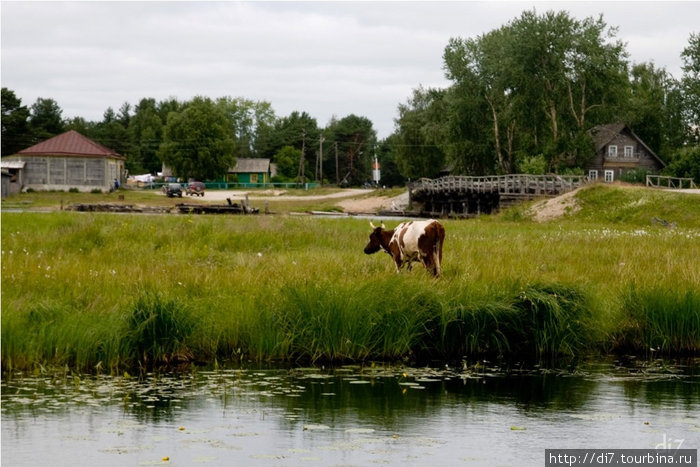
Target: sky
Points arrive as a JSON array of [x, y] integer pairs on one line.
[[329, 59]]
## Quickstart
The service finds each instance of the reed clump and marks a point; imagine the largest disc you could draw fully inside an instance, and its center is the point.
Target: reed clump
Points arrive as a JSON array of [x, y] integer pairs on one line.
[[661, 320]]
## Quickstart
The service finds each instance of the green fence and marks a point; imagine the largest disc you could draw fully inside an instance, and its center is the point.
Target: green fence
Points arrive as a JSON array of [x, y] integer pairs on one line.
[[222, 185]]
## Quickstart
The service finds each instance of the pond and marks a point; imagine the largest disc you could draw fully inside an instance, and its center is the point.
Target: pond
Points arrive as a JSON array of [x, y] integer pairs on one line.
[[477, 415]]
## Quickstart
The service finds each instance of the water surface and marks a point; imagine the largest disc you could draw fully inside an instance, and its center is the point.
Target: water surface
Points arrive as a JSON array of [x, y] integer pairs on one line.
[[483, 415]]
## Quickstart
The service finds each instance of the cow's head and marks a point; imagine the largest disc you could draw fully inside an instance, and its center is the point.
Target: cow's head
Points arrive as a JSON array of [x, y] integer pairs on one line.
[[375, 239]]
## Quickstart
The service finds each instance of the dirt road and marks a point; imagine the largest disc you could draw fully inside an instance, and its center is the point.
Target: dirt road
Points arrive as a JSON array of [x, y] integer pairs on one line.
[[222, 195], [353, 200]]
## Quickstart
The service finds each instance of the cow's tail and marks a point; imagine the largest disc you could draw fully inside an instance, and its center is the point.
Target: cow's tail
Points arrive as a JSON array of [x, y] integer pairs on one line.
[[440, 239]]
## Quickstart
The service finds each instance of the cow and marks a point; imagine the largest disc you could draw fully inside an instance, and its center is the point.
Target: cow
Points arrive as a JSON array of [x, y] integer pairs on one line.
[[410, 241]]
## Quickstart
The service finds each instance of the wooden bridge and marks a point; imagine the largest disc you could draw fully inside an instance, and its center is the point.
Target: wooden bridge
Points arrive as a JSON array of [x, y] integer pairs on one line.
[[463, 196]]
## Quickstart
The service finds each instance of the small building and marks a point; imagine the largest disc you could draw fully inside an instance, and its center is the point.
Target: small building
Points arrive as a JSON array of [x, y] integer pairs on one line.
[[5, 183], [619, 150], [69, 160], [12, 171], [250, 171]]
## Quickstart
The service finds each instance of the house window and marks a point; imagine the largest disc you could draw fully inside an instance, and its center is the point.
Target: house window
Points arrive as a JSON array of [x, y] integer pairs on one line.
[[612, 151], [592, 175], [609, 176], [629, 151], [253, 178]]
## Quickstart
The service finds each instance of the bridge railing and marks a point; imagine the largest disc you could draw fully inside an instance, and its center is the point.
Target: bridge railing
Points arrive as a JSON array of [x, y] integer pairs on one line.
[[513, 184], [663, 181]]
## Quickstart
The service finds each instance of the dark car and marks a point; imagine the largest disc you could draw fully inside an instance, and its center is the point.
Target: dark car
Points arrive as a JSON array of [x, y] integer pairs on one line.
[[195, 188], [172, 189]]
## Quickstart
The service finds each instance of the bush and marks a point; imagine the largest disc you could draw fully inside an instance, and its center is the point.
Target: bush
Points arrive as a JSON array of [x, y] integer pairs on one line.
[[635, 176], [534, 165]]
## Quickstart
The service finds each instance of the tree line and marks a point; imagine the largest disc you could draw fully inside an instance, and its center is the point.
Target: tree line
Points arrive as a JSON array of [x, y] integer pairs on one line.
[[202, 138], [522, 98]]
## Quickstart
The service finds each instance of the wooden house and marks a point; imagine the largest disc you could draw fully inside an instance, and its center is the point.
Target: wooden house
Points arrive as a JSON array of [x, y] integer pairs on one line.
[[69, 160], [619, 150], [251, 171]]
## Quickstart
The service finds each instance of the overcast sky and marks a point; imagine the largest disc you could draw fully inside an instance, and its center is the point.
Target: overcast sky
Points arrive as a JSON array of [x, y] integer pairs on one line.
[[325, 58]]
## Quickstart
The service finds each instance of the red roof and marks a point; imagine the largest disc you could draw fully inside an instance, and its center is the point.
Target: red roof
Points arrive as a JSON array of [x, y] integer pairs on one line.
[[70, 143]]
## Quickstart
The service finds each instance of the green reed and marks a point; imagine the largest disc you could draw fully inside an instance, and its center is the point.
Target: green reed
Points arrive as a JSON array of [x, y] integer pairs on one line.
[[104, 292]]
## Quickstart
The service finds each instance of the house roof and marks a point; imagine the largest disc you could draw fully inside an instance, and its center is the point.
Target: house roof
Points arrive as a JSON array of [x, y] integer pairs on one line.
[[70, 143], [11, 164], [603, 134], [251, 165]]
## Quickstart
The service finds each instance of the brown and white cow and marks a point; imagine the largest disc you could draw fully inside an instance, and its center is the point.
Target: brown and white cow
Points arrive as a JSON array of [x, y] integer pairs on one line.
[[410, 241]]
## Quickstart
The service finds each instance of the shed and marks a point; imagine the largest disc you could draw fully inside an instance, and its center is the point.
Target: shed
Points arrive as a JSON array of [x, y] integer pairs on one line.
[[12, 171], [250, 170], [69, 160], [620, 150]]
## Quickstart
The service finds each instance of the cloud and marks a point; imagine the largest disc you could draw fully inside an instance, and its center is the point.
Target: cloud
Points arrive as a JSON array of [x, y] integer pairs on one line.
[[324, 58]]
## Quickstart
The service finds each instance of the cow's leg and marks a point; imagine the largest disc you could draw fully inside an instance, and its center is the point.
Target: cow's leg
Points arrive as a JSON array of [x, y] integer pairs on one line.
[[430, 264], [397, 261]]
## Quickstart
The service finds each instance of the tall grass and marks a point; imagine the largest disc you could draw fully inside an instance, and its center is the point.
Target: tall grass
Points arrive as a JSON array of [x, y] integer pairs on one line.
[[662, 320], [104, 291]]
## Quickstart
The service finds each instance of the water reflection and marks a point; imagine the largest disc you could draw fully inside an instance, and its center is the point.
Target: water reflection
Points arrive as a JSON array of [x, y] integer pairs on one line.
[[370, 414]]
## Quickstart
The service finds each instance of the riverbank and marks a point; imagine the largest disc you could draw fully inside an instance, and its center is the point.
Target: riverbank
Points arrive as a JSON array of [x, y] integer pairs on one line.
[[96, 291]]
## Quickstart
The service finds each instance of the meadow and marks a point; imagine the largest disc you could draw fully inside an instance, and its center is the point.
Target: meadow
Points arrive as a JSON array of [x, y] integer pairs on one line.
[[111, 292]]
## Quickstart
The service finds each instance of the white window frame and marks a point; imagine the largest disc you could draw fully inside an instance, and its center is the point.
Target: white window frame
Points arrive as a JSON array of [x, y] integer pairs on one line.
[[609, 176], [592, 175], [612, 151], [629, 152]]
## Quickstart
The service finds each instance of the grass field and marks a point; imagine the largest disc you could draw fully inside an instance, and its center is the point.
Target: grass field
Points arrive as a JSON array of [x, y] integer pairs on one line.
[[106, 292]]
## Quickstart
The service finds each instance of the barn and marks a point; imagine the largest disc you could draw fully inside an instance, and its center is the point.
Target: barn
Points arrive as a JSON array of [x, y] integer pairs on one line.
[[69, 160], [619, 150]]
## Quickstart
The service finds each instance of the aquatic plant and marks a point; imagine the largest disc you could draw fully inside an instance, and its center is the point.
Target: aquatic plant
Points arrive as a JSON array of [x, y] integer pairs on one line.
[[661, 320], [157, 329]]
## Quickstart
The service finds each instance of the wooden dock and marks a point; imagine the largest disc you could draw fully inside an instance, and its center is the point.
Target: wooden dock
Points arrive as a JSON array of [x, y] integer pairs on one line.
[[231, 208], [464, 196]]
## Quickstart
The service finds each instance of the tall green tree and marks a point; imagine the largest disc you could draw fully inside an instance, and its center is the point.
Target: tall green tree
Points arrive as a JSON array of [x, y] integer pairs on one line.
[[538, 83], [690, 84], [146, 132], [420, 134], [15, 127], [356, 142], [198, 141], [45, 119], [287, 160], [250, 122], [653, 108], [387, 155], [112, 133], [293, 130]]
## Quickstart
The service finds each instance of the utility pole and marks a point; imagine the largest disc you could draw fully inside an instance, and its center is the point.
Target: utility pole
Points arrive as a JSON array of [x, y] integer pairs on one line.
[[301, 159], [337, 174], [320, 151]]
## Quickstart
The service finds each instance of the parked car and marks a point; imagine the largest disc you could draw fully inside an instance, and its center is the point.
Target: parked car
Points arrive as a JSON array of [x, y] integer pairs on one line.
[[196, 188], [172, 189]]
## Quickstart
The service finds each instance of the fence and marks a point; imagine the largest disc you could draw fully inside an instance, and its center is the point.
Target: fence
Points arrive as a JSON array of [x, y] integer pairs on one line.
[[662, 181], [236, 186]]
